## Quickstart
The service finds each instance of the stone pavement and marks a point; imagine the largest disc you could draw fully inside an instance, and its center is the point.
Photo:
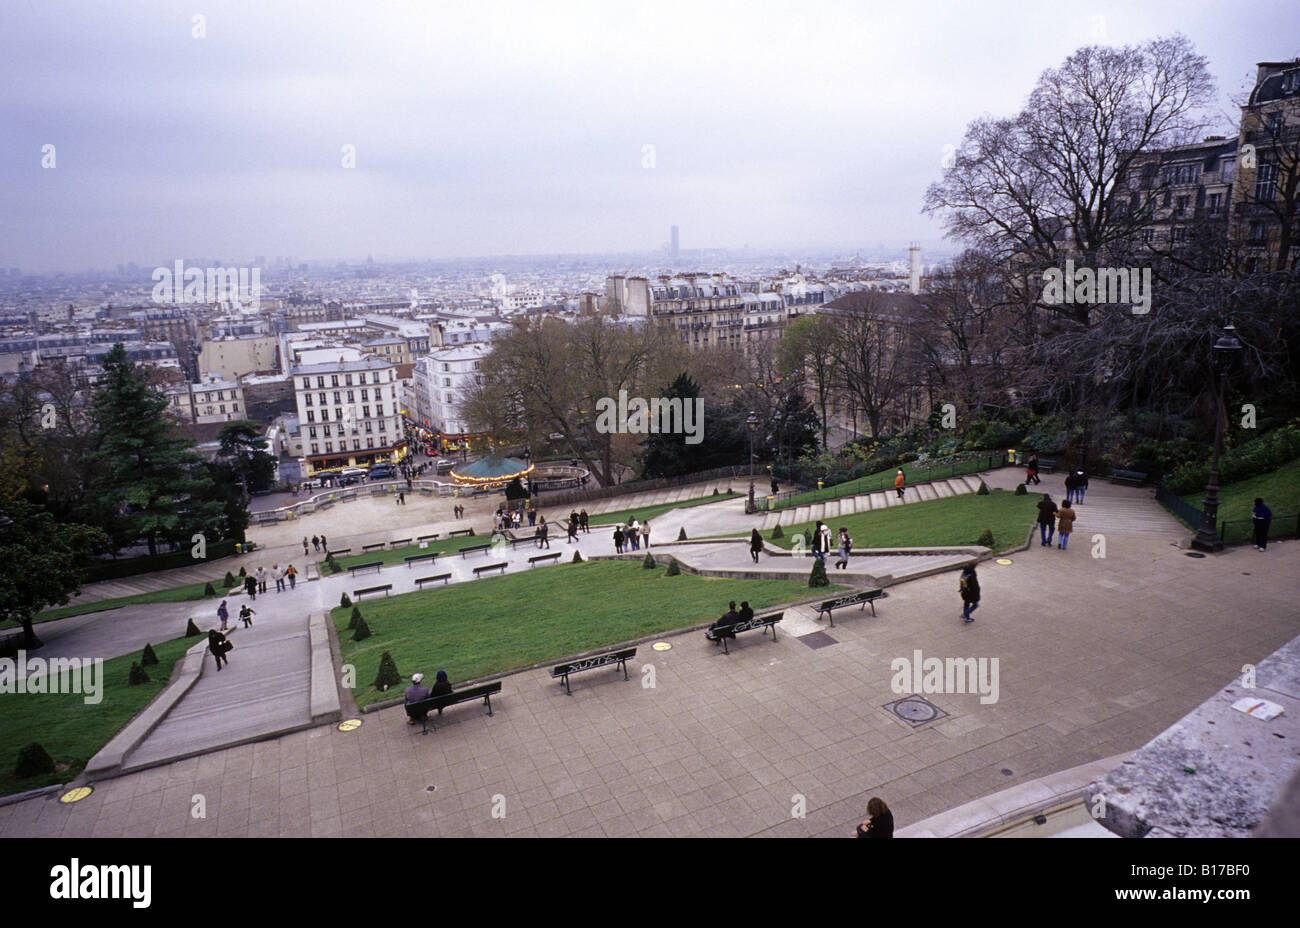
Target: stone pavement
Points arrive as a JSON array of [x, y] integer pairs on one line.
[[1096, 657]]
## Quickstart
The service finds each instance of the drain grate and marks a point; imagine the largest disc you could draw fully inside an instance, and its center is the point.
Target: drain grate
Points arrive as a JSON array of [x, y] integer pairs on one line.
[[817, 640], [915, 710]]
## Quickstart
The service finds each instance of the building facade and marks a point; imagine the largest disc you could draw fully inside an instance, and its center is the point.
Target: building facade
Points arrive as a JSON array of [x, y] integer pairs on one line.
[[349, 412]]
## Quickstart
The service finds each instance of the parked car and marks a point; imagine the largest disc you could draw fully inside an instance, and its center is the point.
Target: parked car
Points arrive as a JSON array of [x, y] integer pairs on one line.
[[444, 466], [381, 472], [354, 472]]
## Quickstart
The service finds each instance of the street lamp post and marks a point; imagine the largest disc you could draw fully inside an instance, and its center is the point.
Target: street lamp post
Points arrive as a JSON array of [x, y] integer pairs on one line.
[[1222, 358], [752, 422]]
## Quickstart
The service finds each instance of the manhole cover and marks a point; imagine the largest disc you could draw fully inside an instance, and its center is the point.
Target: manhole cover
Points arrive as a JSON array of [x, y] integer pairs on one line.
[[915, 710], [1007, 773], [430, 789], [349, 724], [1194, 554], [76, 794], [1004, 561], [817, 640], [662, 646]]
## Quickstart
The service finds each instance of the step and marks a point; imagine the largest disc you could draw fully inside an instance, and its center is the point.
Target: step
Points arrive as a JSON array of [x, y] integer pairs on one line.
[[849, 505], [891, 497], [942, 489], [879, 499], [832, 509], [926, 491], [801, 514], [972, 481]]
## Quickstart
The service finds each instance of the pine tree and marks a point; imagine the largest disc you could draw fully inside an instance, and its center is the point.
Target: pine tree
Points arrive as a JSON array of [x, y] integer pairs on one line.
[[344, 601], [577, 557], [138, 675], [362, 631], [983, 490], [673, 569], [777, 532], [1020, 489], [649, 562], [818, 575], [230, 580], [356, 617], [388, 675], [681, 533], [191, 629], [33, 760], [986, 538], [147, 657], [208, 590]]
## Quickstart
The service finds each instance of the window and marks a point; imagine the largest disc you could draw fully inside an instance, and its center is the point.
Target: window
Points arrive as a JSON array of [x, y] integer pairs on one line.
[[374, 378], [1215, 200], [347, 380], [1265, 182], [365, 412], [370, 442], [327, 431], [308, 396], [1274, 124], [306, 382], [446, 367], [1148, 236], [321, 397], [448, 395], [1291, 81], [320, 383], [381, 425], [311, 416], [368, 429], [1180, 208], [356, 444], [221, 408], [324, 415], [365, 395], [1257, 231], [379, 409], [337, 398], [334, 380], [312, 431], [315, 448], [1180, 235], [350, 396]]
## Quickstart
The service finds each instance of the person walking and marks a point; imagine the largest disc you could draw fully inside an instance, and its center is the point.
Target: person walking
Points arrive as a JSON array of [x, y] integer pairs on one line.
[[1064, 525], [315, 543], [634, 534], [582, 520], [246, 615], [755, 544], [969, 585], [532, 517], [542, 532], [775, 488], [325, 545], [219, 646], [1031, 470], [1046, 521], [223, 614], [618, 539], [304, 546], [291, 574], [899, 482], [1080, 485], [278, 574], [1261, 517], [402, 497], [645, 535], [261, 579], [846, 546], [573, 528], [1071, 487], [250, 587], [821, 545]]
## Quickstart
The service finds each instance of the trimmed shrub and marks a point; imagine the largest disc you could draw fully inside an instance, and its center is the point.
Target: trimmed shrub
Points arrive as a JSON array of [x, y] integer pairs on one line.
[[471, 531], [817, 577], [208, 590], [344, 601], [1020, 489], [191, 629], [243, 572], [777, 532], [577, 557], [681, 533], [986, 538], [388, 675], [33, 761], [983, 490], [138, 675], [334, 566], [356, 617], [715, 492], [673, 569], [147, 657], [807, 539], [230, 579], [362, 631], [649, 562]]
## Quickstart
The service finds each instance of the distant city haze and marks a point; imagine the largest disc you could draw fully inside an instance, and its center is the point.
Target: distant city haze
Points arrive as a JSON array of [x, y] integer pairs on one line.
[[224, 129]]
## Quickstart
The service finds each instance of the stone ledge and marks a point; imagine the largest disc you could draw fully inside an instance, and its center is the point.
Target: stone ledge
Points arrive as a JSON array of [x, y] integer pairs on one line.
[[325, 706]]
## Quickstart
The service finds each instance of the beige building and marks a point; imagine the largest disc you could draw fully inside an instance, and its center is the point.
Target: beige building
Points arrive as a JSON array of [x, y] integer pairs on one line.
[[232, 358], [212, 400]]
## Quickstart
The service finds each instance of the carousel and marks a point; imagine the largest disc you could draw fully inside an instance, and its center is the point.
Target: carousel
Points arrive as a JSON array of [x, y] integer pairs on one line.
[[491, 471]]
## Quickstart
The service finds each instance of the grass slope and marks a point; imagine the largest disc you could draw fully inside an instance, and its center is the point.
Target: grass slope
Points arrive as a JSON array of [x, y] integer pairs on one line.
[[71, 731], [1280, 490], [176, 594], [957, 520], [498, 624], [884, 480]]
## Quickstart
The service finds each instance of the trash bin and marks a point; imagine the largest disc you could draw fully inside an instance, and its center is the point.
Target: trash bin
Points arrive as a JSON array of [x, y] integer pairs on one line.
[[239, 548]]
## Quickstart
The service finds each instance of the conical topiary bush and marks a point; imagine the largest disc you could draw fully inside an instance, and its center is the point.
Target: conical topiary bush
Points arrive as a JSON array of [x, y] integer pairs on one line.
[[229, 580], [33, 760], [356, 617], [777, 532], [673, 569], [681, 533], [138, 675], [817, 577], [983, 490], [362, 631], [577, 557], [986, 538], [191, 629], [1020, 489], [388, 675], [147, 657], [344, 601], [649, 562], [208, 590]]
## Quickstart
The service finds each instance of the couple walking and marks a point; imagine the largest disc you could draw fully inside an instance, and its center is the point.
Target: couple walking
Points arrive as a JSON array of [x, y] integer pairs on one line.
[[822, 544], [1052, 518]]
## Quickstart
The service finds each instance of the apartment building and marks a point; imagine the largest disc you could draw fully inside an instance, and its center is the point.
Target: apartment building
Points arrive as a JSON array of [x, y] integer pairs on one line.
[[1265, 217], [349, 409]]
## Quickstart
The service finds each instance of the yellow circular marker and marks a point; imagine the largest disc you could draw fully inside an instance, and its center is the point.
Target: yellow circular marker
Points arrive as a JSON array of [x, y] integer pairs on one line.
[[1004, 561], [662, 646], [76, 795], [349, 724]]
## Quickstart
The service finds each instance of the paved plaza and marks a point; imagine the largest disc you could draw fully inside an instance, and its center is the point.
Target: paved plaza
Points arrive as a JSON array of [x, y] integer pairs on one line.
[[1096, 656]]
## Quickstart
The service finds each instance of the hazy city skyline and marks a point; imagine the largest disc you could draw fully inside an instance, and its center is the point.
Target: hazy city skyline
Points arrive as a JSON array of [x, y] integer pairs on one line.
[[524, 129]]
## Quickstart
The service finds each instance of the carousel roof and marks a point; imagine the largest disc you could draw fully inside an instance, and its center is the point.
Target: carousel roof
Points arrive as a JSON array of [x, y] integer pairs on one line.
[[491, 468]]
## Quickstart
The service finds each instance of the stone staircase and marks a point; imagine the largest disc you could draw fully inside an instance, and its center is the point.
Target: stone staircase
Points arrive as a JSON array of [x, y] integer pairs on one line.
[[866, 502]]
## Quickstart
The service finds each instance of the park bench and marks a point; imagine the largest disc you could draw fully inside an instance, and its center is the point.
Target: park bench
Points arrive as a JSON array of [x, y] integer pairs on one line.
[[377, 546], [590, 663], [524, 539], [433, 537], [420, 557], [340, 552], [267, 518], [478, 571], [460, 531], [473, 548], [377, 565], [421, 581], [534, 561], [1131, 477], [1047, 465], [420, 710], [399, 543], [724, 632], [853, 599], [385, 589]]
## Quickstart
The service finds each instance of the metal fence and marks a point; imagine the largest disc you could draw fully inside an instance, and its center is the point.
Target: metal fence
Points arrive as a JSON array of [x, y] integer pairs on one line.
[[570, 497], [1181, 508], [1242, 531]]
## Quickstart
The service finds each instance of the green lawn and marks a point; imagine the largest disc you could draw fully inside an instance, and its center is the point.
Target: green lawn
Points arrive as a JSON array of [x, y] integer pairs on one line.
[[71, 731], [498, 624], [1280, 490], [884, 480], [957, 520], [176, 594]]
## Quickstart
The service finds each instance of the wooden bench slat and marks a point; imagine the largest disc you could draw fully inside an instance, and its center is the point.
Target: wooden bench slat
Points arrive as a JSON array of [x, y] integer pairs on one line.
[[591, 663]]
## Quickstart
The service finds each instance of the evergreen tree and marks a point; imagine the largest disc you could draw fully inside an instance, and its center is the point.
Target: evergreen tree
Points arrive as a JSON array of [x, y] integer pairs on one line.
[[356, 617], [138, 675], [147, 657], [388, 675], [817, 577], [362, 631], [33, 760], [673, 569], [191, 629], [147, 482], [986, 538], [243, 451], [649, 562]]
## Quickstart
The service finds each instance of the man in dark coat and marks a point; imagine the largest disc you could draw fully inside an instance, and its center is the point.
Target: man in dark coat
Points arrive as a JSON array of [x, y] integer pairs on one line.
[[1046, 520], [969, 585]]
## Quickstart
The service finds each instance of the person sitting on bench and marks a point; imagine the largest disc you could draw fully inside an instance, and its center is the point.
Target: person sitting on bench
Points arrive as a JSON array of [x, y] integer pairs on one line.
[[745, 613], [441, 686], [730, 617], [416, 692]]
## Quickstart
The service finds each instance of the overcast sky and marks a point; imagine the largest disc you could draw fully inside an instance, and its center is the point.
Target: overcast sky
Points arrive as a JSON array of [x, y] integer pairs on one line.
[[493, 128]]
